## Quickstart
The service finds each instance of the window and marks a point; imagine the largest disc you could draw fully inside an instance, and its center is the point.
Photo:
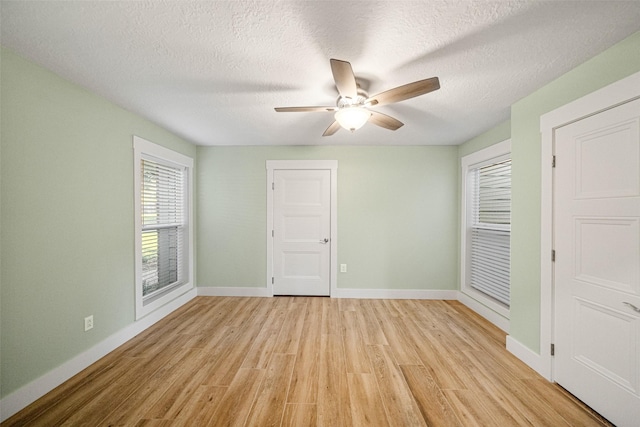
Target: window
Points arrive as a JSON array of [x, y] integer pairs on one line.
[[163, 231], [486, 226]]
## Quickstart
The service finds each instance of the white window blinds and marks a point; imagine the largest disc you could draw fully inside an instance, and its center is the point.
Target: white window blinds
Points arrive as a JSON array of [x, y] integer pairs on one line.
[[490, 230], [163, 226]]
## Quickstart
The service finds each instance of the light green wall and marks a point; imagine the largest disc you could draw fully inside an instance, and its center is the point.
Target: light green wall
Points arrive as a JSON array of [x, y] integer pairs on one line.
[[397, 214], [499, 133], [66, 218]]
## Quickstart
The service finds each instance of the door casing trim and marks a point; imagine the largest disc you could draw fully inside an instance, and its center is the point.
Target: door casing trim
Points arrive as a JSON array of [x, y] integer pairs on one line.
[[608, 97], [331, 165]]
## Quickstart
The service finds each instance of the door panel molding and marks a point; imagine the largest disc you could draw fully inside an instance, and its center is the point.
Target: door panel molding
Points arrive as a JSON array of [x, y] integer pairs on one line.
[[332, 166]]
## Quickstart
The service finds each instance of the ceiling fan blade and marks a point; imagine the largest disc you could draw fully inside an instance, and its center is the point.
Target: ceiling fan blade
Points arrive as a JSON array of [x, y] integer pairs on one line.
[[385, 121], [344, 78], [303, 109], [403, 92], [333, 128]]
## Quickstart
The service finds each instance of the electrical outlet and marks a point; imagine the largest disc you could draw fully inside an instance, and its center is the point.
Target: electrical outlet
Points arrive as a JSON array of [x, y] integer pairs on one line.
[[343, 268], [88, 323]]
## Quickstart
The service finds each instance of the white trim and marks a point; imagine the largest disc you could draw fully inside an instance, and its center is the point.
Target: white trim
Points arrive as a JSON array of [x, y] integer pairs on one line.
[[492, 154], [143, 148], [29, 393], [610, 96], [332, 165], [395, 294], [497, 319], [528, 356], [231, 291]]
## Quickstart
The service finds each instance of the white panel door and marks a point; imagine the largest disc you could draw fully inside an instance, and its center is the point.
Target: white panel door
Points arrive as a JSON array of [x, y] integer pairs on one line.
[[302, 229], [597, 268]]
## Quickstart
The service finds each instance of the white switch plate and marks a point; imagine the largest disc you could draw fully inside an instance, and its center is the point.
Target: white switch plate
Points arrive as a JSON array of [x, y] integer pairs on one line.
[[88, 323], [343, 268]]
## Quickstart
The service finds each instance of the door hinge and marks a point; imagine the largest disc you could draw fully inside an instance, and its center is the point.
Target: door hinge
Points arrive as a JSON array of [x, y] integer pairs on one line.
[[553, 162], [272, 280], [553, 255], [553, 349], [272, 235], [273, 185]]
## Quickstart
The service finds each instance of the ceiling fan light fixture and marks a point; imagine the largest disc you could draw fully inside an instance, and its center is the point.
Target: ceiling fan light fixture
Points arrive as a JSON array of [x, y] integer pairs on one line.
[[352, 118]]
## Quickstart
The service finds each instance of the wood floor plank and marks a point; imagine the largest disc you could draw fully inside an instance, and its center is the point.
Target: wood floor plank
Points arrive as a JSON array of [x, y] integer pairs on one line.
[[468, 406], [242, 312], [434, 406], [395, 331], [333, 391], [456, 364], [236, 403], [154, 423], [269, 404], [289, 338], [229, 354], [207, 338], [260, 353], [199, 410], [199, 322], [347, 304], [183, 390], [400, 405], [330, 317], [370, 410], [304, 379], [356, 357], [299, 414], [370, 328], [436, 359]]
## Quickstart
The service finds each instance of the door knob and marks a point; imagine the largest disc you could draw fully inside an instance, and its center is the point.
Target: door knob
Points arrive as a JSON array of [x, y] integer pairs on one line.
[[325, 241]]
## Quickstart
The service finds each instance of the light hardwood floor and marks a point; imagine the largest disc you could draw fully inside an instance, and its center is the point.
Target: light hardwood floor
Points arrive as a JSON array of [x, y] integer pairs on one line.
[[293, 361]]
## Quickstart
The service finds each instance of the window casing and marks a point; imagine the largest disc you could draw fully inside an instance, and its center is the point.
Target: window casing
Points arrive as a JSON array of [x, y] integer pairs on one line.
[[163, 219], [486, 226]]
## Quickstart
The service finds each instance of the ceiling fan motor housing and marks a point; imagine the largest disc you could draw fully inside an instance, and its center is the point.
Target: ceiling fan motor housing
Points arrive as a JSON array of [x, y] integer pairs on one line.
[[359, 101]]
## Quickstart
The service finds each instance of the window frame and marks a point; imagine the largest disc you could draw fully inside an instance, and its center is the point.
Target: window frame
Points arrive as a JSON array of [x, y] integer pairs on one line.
[[493, 154], [144, 149]]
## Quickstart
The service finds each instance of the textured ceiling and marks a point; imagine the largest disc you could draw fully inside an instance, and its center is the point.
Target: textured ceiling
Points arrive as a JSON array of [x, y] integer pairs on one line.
[[212, 71]]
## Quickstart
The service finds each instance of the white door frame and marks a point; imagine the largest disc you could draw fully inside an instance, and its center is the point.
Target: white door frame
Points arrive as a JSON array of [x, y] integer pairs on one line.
[[331, 165], [620, 92]]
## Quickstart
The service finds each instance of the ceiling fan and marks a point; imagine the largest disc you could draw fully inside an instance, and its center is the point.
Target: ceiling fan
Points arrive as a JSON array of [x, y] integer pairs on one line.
[[352, 108]]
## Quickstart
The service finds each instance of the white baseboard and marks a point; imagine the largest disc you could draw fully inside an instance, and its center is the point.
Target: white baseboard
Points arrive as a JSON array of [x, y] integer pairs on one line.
[[493, 317], [230, 291], [31, 392], [528, 356], [394, 294]]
